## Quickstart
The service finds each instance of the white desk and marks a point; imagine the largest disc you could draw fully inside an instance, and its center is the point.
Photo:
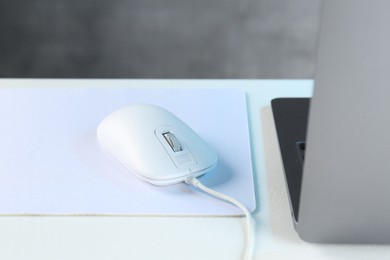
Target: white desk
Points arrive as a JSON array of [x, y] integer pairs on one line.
[[157, 237]]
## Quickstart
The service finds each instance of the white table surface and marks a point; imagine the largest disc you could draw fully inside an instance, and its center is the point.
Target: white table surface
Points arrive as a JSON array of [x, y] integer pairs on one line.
[[159, 237]]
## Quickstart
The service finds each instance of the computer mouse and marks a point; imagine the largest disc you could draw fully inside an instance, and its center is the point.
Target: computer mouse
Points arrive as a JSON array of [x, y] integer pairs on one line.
[[155, 144]]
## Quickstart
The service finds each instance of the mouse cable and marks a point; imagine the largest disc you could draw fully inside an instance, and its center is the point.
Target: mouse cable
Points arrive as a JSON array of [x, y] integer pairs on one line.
[[249, 229]]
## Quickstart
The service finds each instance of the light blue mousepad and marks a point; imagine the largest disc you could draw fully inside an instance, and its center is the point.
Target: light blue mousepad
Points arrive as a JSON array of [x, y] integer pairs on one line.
[[51, 162]]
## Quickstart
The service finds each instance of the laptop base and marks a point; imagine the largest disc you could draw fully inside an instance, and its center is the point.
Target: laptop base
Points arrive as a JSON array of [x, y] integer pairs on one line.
[[291, 118]]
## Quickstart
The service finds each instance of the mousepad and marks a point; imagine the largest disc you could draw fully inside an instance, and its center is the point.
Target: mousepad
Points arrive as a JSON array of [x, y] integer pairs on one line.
[[51, 162]]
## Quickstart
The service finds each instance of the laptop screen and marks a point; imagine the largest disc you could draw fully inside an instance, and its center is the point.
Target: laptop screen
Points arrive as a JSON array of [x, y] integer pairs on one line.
[[345, 185]]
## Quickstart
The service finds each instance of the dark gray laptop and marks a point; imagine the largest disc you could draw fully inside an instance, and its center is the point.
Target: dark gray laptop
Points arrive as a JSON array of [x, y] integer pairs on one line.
[[343, 193]]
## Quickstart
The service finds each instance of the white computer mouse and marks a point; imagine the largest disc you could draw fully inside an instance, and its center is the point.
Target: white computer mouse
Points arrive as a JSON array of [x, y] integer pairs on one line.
[[155, 145]]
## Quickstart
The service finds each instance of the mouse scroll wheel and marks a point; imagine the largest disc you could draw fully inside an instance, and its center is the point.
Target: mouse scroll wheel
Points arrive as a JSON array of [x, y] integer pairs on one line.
[[173, 142]]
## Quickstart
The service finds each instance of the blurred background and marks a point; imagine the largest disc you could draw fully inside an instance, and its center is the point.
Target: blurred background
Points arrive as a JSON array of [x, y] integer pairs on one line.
[[158, 38]]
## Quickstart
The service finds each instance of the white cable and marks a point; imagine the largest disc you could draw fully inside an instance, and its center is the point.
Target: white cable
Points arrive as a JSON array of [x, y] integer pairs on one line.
[[249, 229]]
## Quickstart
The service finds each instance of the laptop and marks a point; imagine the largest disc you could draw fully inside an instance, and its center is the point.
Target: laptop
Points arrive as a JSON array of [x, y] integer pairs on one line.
[[335, 146]]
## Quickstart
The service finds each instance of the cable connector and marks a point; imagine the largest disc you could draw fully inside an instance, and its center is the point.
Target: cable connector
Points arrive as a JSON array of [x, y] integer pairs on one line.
[[189, 179], [192, 180]]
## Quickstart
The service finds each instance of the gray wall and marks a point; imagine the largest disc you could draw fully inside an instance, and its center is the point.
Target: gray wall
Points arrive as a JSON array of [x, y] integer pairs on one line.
[[158, 38]]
